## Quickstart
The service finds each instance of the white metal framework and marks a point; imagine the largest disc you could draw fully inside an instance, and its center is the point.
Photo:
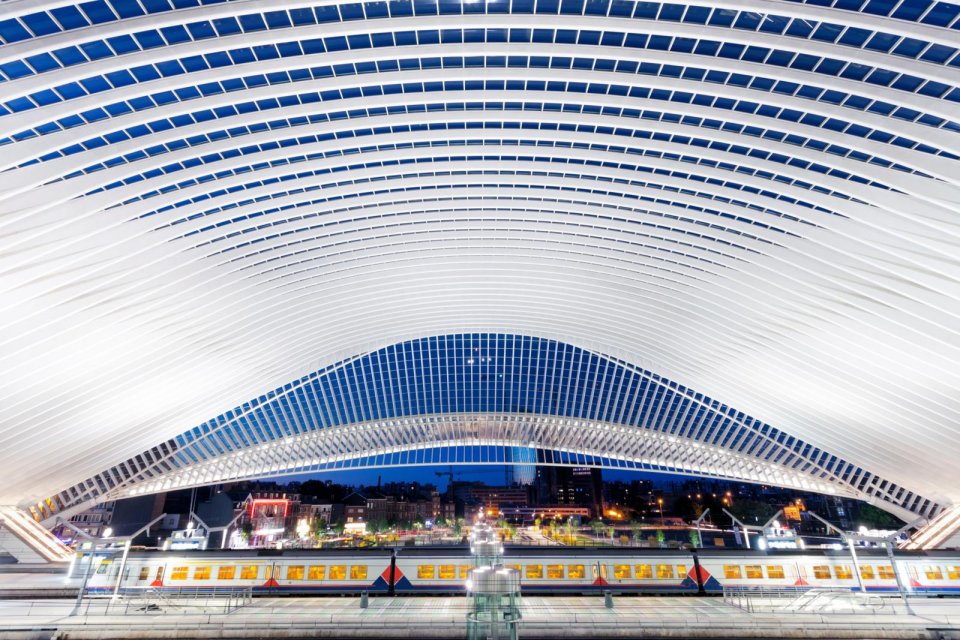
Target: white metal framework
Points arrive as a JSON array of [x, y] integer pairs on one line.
[[203, 200], [486, 399]]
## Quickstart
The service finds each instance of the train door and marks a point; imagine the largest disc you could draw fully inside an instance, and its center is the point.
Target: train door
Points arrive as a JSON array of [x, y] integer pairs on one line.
[[158, 577], [913, 581], [599, 573]]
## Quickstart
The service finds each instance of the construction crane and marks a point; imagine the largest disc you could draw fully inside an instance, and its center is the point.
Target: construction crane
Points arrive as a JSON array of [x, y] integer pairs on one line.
[[449, 475]]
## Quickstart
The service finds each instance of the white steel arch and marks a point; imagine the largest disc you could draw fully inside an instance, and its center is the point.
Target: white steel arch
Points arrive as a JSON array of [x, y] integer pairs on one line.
[[755, 200]]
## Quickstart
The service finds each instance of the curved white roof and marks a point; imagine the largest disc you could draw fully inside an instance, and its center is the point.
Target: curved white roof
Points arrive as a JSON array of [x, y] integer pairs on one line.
[[204, 201]]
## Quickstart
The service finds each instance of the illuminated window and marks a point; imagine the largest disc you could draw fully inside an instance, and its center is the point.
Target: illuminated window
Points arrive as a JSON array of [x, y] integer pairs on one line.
[[821, 572], [933, 573], [575, 571], [886, 572], [316, 572], [249, 572], [732, 572], [426, 571], [144, 573], [226, 573], [953, 573], [338, 572], [665, 571], [555, 571], [754, 572], [514, 566], [621, 571], [448, 571], [179, 573], [843, 572], [201, 573], [866, 572], [295, 572], [464, 568], [681, 570], [534, 571], [358, 572], [775, 572]]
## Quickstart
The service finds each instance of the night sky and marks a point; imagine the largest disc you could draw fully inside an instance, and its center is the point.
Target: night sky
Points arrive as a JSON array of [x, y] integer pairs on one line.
[[488, 474]]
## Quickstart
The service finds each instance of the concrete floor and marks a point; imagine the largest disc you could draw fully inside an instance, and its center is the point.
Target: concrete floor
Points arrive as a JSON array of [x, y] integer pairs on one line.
[[444, 617]]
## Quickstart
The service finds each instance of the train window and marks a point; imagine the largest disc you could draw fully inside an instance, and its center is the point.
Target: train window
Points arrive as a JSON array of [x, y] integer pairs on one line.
[[464, 568], [886, 572], [953, 573], [144, 573], [732, 572], [933, 573], [448, 571], [682, 570], [103, 567], [201, 573], [843, 572], [515, 566], [316, 572], [534, 571], [754, 572], [249, 572], [338, 572], [295, 572], [226, 573], [621, 571], [642, 572], [358, 572], [179, 573], [665, 571], [426, 571], [866, 572], [575, 571], [555, 571], [775, 571], [821, 572]]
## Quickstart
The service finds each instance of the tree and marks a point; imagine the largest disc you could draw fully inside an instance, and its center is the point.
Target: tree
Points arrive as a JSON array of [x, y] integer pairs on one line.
[[873, 517], [752, 511], [694, 537], [685, 508], [597, 526]]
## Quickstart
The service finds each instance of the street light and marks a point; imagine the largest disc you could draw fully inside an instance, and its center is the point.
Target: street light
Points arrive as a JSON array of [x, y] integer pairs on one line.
[[660, 504]]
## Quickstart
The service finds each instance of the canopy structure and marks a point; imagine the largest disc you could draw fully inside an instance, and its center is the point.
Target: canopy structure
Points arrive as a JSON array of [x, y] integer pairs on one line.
[[746, 210]]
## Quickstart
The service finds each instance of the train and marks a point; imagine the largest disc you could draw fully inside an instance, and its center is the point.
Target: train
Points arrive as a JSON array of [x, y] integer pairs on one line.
[[543, 570]]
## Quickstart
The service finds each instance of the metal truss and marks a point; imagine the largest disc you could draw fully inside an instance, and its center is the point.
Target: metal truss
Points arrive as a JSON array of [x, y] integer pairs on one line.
[[579, 408], [486, 439], [753, 199]]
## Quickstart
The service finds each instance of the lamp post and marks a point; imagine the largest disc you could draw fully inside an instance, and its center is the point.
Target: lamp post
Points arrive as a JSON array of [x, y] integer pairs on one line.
[[660, 504], [697, 525], [850, 545]]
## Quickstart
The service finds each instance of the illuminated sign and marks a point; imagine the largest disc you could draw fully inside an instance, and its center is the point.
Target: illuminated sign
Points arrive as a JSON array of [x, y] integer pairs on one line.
[[791, 513]]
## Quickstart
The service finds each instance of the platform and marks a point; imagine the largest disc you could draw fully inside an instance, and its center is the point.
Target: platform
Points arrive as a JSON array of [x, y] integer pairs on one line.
[[443, 617]]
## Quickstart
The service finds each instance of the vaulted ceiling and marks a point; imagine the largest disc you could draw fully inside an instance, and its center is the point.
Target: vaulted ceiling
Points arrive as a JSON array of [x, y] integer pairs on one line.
[[204, 201]]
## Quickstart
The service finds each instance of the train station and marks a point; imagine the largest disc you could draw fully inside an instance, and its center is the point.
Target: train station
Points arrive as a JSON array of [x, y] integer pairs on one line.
[[479, 319]]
